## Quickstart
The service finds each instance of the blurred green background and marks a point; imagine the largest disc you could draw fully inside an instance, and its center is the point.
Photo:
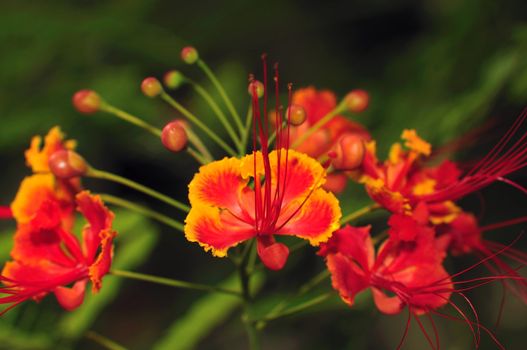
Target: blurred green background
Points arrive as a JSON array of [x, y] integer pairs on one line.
[[442, 67]]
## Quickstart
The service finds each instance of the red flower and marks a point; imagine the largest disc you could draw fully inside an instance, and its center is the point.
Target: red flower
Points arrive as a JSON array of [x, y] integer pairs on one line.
[[318, 103], [402, 274], [47, 257]]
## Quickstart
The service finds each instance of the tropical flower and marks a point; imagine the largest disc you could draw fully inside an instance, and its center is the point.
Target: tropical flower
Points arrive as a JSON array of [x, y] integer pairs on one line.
[[261, 195], [401, 274], [47, 257]]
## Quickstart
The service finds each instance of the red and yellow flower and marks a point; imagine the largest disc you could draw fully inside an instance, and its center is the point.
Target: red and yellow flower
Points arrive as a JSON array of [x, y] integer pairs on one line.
[[260, 196]]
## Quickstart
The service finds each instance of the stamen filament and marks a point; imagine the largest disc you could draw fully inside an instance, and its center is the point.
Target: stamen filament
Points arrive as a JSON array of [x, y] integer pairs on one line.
[[167, 98], [173, 282], [99, 174], [208, 72], [123, 203]]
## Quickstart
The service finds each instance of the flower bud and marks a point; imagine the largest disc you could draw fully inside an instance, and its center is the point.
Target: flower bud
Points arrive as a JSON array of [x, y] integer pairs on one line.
[[86, 101], [347, 153], [357, 100], [151, 87], [173, 79], [256, 86], [296, 115], [174, 137], [189, 55], [66, 164]]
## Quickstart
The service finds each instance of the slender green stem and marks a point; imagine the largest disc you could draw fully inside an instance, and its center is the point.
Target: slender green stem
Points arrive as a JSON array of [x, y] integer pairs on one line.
[[167, 98], [200, 146], [320, 277], [217, 110], [123, 203], [245, 274], [208, 72], [103, 341], [203, 159], [197, 156], [99, 174], [172, 282], [341, 107], [299, 308], [246, 130], [357, 214], [130, 118]]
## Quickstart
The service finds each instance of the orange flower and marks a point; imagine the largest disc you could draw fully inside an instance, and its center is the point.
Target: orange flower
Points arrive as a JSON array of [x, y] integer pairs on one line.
[[231, 203], [47, 257], [261, 195]]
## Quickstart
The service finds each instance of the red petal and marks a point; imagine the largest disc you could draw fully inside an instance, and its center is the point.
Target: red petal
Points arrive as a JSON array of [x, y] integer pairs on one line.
[[99, 219], [346, 277], [273, 256], [71, 298], [6, 213]]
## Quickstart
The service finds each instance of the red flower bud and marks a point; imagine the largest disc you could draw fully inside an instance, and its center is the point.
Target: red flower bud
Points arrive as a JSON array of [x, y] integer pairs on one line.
[[296, 115], [257, 86], [173, 79], [174, 136], [347, 153], [357, 100], [66, 164], [189, 55], [151, 87], [86, 101]]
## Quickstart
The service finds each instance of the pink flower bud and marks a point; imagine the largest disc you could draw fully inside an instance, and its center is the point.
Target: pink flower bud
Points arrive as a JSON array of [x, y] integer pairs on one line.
[[256, 86], [189, 55], [86, 101], [357, 100], [151, 87], [66, 164], [173, 79], [296, 115], [347, 153], [174, 137]]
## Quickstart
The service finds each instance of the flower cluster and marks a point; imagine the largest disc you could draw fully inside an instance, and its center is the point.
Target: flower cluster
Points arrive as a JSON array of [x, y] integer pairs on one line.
[[287, 183]]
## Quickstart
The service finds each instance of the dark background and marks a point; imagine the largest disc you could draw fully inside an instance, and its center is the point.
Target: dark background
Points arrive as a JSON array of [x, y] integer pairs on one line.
[[442, 67]]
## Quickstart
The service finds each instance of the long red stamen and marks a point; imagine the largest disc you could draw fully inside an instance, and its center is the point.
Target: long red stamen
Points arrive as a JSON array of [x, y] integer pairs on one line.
[[494, 166]]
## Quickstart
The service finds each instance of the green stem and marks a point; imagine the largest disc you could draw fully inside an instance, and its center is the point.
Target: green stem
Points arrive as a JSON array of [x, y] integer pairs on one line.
[[357, 214], [250, 325], [130, 118], [246, 130], [172, 282], [123, 203], [167, 98], [217, 110], [208, 72], [341, 107], [103, 341], [194, 139], [324, 274], [99, 174], [203, 159], [298, 308]]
